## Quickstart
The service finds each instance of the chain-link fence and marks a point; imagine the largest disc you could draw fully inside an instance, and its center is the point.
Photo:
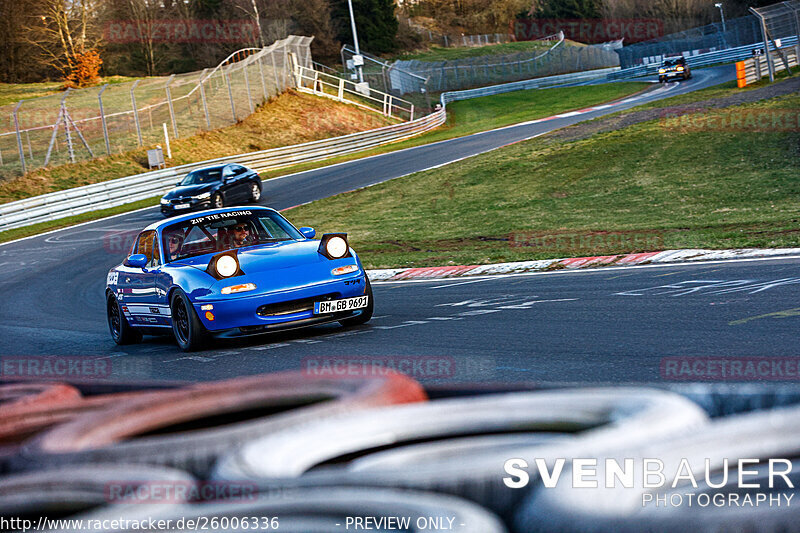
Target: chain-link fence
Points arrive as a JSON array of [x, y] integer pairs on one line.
[[488, 70], [712, 37], [386, 77], [81, 124], [432, 37], [780, 29]]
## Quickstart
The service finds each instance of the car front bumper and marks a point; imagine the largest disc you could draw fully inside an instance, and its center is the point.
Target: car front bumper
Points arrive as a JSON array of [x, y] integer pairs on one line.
[[266, 311], [193, 205]]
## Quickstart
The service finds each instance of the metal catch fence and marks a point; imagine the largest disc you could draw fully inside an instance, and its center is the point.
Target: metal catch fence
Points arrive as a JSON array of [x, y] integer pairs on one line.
[[555, 58], [780, 29], [86, 123]]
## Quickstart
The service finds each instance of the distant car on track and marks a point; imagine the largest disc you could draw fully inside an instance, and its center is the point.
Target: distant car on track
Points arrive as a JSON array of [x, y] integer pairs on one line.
[[215, 186], [233, 272], [674, 68]]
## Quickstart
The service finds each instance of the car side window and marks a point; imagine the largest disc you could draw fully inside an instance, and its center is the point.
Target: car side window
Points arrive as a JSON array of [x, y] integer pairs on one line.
[[227, 172], [238, 169], [144, 244], [156, 260]]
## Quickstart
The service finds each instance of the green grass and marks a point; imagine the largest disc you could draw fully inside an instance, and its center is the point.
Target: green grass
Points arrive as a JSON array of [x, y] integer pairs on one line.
[[14, 92], [480, 114], [720, 190], [438, 53], [36, 229]]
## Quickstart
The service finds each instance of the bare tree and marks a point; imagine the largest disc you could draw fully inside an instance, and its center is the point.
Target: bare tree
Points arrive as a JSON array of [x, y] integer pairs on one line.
[[62, 30], [143, 14]]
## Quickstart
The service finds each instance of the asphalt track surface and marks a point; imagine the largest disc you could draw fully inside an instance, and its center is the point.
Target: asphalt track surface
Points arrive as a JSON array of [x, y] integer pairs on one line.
[[608, 325]]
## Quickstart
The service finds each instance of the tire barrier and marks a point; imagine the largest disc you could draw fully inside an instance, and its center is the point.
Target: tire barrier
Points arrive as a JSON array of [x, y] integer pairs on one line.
[[329, 509], [604, 418], [83, 491], [773, 434], [433, 452], [315, 452], [188, 428], [15, 398], [25, 421]]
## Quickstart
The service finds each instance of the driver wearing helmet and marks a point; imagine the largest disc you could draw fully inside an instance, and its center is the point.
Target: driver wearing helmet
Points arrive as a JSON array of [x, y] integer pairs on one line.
[[174, 243]]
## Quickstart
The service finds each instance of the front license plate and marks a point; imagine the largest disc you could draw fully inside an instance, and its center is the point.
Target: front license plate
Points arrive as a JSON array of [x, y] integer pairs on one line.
[[338, 306], [181, 206]]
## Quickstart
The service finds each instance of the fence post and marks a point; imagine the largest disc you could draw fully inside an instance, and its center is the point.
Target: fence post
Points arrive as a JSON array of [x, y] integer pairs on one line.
[[263, 80], [796, 11], [410, 119], [70, 148], [285, 68], [171, 110], [203, 98], [765, 34], [136, 113], [19, 137], [103, 119], [230, 94], [275, 73], [341, 89], [247, 86]]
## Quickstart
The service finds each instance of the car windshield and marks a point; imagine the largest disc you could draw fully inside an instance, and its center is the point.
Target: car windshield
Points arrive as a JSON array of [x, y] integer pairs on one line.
[[673, 62], [208, 175], [225, 231]]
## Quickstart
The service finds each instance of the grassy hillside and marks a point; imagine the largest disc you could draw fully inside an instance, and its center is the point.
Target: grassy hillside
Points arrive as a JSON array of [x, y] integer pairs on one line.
[[661, 186], [288, 119]]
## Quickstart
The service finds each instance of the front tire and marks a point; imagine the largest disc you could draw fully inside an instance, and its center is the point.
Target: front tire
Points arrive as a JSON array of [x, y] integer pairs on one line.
[[121, 331], [366, 313], [189, 333]]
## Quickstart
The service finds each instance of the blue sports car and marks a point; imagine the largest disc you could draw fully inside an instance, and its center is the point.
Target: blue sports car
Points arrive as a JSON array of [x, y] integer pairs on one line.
[[231, 272]]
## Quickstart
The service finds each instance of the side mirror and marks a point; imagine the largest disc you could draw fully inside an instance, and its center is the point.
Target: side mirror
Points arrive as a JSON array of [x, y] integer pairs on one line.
[[178, 184], [308, 233], [136, 261]]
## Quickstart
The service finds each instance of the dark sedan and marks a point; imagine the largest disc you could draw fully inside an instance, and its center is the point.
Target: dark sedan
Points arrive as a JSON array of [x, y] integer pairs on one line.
[[674, 68], [216, 187]]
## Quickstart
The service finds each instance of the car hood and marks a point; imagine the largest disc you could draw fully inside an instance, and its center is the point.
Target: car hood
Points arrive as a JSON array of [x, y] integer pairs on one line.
[[270, 256], [274, 267], [189, 190]]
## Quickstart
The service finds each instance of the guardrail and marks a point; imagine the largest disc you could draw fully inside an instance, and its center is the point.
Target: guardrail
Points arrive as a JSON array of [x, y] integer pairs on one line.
[[535, 83], [318, 83], [730, 55], [753, 69], [121, 191]]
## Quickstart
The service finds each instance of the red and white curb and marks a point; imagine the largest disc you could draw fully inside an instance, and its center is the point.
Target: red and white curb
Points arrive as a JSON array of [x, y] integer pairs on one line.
[[573, 263]]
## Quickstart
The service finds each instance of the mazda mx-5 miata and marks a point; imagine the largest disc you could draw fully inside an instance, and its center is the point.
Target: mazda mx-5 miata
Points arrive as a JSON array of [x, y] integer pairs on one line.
[[232, 272]]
